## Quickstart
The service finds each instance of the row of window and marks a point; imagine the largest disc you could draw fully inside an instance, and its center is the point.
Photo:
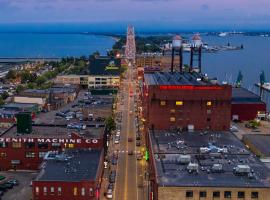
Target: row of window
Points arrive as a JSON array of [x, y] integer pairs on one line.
[[32, 145], [58, 190], [226, 194], [173, 119], [27, 154], [181, 103]]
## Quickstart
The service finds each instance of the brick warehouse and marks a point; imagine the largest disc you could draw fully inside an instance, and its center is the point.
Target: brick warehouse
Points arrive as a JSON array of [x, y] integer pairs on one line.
[[26, 151], [74, 174], [182, 100]]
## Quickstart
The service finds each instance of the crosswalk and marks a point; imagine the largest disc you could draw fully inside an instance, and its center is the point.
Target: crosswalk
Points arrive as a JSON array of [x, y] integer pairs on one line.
[[126, 151]]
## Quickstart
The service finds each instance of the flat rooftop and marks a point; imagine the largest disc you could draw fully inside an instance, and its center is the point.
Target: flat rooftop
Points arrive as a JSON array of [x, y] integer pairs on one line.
[[176, 78], [77, 165], [168, 146], [242, 95], [260, 142], [55, 131]]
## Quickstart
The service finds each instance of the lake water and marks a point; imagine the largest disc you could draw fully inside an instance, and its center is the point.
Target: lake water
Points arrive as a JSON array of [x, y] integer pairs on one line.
[[224, 64], [52, 45]]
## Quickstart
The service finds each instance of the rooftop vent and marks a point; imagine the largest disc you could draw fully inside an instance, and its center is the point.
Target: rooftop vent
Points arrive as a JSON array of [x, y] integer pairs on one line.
[[242, 169], [193, 167], [217, 168], [184, 159]]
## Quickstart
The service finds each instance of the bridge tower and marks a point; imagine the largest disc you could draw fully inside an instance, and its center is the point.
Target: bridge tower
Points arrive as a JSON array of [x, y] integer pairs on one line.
[[130, 51]]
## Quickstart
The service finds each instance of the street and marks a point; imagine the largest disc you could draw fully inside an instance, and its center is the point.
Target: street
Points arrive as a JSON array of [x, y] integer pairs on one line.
[[129, 171]]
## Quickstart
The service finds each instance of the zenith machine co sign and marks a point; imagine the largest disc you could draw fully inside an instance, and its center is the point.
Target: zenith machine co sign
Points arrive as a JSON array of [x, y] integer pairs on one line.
[[49, 140]]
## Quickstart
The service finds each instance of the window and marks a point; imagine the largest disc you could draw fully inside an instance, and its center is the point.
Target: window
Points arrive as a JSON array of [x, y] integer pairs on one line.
[[43, 145], [91, 193], [52, 189], [209, 103], [37, 190], [172, 110], [75, 191], [56, 145], [70, 145], [30, 154], [3, 155], [16, 145], [172, 119], [254, 195], [228, 194], [59, 191], [241, 195], [202, 193], [41, 154], [216, 194], [189, 193], [83, 191], [179, 103], [208, 112], [45, 190], [3, 145], [208, 119], [163, 103], [29, 145]]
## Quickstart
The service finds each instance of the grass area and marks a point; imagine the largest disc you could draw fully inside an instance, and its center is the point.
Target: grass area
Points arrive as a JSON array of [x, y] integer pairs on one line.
[[2, 177]]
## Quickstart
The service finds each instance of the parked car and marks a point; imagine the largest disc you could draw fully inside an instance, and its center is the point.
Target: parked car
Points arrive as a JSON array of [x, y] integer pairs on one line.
[[138, 143], [130, 152]]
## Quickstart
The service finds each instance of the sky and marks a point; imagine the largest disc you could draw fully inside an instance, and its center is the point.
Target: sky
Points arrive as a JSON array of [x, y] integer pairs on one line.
[[147, 14]]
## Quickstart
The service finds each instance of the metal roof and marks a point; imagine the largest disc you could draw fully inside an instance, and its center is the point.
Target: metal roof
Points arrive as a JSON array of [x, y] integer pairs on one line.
[[176, 78]]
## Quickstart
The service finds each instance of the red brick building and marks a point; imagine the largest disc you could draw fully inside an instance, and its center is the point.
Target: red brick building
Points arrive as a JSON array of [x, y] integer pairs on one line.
[[182, 100], [26, 151], [75, 174], [246, 105]]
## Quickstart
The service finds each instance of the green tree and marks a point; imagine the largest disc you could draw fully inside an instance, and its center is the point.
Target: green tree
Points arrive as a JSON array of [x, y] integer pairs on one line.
[[110, 124], [5, 95], [11, 74], [40, 80], [19, 88], [2, 102]]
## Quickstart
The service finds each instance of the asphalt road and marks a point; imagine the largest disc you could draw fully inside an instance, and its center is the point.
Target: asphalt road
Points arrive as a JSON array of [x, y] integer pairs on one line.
[[127, 174]]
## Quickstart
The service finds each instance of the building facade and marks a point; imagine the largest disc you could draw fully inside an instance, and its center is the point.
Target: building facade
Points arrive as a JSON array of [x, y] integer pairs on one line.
[[26, 151], [79, 180], [180, 101]]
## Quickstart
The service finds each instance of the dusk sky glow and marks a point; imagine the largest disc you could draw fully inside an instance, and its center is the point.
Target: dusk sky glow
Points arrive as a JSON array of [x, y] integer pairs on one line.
[[189, 13]]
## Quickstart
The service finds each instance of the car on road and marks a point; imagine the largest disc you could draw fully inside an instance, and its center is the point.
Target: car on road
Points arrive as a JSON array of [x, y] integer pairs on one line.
[[114, 161], [109, 194], [130, 152], [130, 139], [111, 186], [15, 182], [139, 156], [138, 143]]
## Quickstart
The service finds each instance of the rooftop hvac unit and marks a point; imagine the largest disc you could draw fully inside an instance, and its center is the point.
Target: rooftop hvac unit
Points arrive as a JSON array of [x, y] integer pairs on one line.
[[204, 150], [242, 169], [217, 168], [184, 159], [193, 167]]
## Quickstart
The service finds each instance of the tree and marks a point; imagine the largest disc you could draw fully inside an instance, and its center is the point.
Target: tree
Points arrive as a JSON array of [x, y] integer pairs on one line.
[[11, 74], [40, 80], [5, 95], [2, 102], [110, 124], [19, 88]]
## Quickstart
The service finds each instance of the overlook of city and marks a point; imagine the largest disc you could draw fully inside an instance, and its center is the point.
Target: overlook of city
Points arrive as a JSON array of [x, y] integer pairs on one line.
[[134, 100]]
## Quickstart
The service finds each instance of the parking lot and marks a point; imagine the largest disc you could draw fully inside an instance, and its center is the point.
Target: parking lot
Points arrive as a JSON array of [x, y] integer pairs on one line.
[[21, 192]]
